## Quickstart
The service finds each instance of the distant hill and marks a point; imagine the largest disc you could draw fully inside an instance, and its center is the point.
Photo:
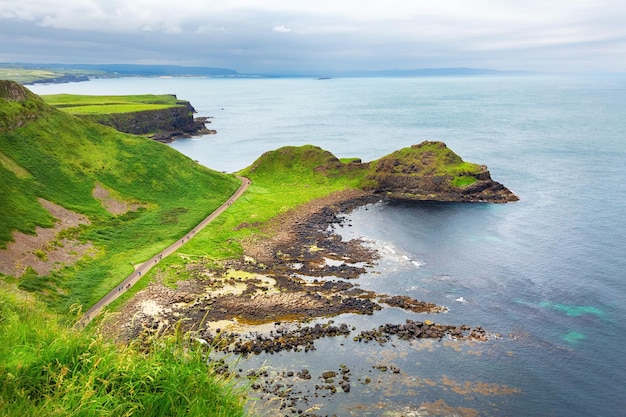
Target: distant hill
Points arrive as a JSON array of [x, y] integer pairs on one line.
[[152, 70], [27, 73], [431, 72]]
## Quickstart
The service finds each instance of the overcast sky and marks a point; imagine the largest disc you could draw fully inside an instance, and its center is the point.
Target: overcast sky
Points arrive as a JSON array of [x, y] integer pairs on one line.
[[313, 36]]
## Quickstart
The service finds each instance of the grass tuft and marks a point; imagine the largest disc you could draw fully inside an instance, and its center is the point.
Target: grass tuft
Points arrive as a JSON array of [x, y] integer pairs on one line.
[[48, 369]]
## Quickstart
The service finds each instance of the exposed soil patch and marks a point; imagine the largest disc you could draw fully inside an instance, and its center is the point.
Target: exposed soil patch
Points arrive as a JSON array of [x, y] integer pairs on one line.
[[45, 251], [112, 204]]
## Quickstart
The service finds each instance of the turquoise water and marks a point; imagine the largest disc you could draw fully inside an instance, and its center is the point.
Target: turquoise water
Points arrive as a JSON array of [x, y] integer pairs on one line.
[[547, 273]]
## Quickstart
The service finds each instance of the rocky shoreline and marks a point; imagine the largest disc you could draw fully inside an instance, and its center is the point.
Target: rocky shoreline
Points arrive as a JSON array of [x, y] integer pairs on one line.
[[272, 299], [196, 128]]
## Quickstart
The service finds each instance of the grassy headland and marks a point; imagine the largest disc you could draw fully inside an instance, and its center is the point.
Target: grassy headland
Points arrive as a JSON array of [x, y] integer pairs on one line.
[[430, 159], [162, 117], [98, 105]]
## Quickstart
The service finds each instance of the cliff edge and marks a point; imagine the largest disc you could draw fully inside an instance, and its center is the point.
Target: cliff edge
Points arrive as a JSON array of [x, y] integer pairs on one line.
[[163, 125], [162, 117]]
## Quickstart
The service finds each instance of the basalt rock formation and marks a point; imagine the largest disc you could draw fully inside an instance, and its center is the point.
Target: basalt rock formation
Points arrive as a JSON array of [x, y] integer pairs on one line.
[[164, 125], [431, 171]]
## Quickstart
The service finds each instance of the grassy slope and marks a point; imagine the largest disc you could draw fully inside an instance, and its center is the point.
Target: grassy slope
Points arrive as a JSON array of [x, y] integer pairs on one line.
[[291, 176], [60, 158], [92, 105], [281, 180], [47, 369]]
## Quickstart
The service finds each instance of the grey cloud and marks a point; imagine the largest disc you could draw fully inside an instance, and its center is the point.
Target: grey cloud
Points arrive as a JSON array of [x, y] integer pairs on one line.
[[258, 39]]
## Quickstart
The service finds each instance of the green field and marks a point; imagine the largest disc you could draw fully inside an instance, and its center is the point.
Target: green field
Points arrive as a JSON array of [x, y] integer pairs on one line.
[[98, 105]]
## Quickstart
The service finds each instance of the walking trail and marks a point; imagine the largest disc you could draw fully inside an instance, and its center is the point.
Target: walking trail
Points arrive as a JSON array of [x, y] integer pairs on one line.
[[141, 269]]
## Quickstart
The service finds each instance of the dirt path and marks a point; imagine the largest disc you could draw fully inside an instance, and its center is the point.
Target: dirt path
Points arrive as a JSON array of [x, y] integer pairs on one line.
[[146, 266]]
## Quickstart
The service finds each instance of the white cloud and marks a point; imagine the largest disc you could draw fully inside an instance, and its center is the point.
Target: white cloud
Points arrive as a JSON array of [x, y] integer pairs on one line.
[[281, 29]]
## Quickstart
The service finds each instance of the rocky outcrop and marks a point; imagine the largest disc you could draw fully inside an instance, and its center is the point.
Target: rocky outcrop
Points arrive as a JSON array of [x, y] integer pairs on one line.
[[12, 91], [164, 125], [20, 107], [431, 171], [439, 188]]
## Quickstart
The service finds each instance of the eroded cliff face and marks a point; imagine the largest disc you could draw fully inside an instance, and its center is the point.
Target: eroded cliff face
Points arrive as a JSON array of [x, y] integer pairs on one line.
[[164, 125], [431, 171], [438, 188]]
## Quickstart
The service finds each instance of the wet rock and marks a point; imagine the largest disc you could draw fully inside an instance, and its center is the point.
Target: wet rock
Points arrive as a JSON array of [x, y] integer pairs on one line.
[[329, 374], [418, 330], [304, 374], [408, 303]]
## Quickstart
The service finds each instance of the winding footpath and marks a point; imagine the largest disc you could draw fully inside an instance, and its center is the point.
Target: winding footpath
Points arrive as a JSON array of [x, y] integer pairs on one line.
[[141, 269]]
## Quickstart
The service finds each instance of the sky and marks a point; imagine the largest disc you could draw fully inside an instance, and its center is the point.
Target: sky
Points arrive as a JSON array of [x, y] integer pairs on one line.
[[317, 36]]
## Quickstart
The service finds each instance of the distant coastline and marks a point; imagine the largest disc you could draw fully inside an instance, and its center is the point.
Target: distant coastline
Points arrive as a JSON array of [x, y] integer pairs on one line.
[[34, 73]]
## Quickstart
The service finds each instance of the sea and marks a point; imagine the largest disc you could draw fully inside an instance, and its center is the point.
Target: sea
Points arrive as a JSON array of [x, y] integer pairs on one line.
[[545, 276]]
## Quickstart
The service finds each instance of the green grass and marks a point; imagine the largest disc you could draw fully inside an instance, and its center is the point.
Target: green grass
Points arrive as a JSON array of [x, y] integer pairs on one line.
[[101, 105], [47, 369], [60, 158], [281, 180], [463, 181]]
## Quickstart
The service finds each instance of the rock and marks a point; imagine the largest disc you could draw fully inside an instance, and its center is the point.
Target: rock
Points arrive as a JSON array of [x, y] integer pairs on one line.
[[329, 374], [430, 171]]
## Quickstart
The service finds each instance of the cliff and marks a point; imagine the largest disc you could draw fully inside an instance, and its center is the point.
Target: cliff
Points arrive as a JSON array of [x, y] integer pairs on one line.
[[164, 125], [163, 117]]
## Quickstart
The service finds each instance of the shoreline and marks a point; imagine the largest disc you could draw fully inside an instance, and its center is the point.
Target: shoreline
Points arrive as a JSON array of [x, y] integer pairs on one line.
[[249, 309], [303, 271]]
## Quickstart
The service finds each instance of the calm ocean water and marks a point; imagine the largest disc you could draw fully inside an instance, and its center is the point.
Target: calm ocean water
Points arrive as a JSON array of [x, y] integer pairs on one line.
[[547, 273]]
